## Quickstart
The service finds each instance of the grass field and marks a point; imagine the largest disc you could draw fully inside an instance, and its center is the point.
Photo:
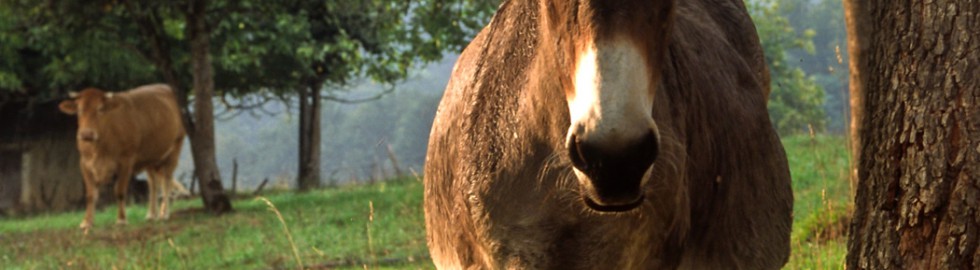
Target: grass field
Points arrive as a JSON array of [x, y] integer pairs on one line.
[[343, 227], [819, 166], [374, 227]]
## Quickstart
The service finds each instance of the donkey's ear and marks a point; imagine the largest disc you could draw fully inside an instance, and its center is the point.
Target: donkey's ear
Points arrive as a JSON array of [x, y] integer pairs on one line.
[[68, 107]]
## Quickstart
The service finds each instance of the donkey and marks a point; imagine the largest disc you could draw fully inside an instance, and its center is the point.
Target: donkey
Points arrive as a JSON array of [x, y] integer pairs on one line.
[[596, 134]]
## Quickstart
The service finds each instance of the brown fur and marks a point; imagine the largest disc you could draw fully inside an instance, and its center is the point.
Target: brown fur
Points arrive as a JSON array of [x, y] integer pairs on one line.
[[499, 188], [125, 134]]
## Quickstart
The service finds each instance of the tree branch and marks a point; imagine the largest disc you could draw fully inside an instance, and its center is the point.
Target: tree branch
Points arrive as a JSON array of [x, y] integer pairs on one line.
[[390, 88], [254, 104]]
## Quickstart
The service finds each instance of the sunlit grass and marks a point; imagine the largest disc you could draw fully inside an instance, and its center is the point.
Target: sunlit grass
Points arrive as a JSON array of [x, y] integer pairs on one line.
[[355, 227], [819, 166], [809, 255]]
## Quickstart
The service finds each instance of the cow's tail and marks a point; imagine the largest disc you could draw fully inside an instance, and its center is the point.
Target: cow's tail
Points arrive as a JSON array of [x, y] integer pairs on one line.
[[178, 190]]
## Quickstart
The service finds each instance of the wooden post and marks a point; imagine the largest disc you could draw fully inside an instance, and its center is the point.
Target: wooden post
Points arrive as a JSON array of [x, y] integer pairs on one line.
[[379, 169], [234, 176], [193, 183], [394, 161], [261, 186]]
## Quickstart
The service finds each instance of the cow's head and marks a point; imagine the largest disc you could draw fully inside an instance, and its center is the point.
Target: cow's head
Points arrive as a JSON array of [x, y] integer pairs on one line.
[[90, 105], [613, 51]]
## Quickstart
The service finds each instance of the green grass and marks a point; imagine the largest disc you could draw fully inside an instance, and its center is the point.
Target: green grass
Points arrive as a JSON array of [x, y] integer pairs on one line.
[[333, 228], [822, 192], [336, 228]]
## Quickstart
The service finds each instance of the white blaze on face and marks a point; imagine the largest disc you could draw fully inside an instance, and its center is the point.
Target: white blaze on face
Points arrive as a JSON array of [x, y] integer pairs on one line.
[[613, 101]]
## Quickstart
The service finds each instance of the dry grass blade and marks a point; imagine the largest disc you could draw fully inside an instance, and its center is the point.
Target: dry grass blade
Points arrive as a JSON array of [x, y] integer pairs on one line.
[[285, 228]]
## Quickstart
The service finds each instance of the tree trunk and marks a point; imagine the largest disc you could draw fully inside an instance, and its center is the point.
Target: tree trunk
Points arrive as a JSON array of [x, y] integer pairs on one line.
[[302, 177], [309, 138], [202, 139], [854, 50], [918, 194]]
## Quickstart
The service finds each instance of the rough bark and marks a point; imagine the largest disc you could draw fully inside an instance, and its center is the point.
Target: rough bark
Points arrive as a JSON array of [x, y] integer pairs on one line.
[[918, 192], [309, 138], [202, 139]]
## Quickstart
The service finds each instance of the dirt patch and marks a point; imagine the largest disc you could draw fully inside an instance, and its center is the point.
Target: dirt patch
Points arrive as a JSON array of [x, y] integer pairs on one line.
[[354, 262], [125, 235], [29, 242], [34, 243], [187, 212]]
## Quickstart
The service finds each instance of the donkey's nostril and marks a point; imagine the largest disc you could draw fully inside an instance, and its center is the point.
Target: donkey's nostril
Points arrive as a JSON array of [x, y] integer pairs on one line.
[[574, 148], [638, 153], [648, 148], [613, 171]]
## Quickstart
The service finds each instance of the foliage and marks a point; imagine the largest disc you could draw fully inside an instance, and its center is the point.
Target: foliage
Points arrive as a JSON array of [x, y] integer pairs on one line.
[[44, 59], [825, 20], [8, 54], [795, 103], [257, 46], [827, 63]]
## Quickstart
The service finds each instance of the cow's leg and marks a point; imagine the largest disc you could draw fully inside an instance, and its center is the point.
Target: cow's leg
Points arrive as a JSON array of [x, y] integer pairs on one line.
[[166, 185], [151, 182], [123, 176], [91, 197], [157, 182], [167, 182]]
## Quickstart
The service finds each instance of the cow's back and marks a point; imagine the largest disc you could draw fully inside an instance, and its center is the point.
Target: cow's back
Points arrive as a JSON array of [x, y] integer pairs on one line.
[[149, 119]]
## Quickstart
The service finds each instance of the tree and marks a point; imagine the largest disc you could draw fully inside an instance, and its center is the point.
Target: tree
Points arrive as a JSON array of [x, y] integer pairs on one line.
[[202, 135], [270, 49], [350, 41], [919, 166], [306, 51], [824, 19], [796, 100]]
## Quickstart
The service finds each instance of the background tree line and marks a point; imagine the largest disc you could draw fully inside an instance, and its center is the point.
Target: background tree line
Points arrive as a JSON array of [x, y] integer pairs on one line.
[[275, 65], [227, 49], [805, 46]]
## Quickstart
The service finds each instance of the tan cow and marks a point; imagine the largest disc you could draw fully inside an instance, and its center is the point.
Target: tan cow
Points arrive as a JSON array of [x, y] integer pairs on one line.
[[120, 134], [599, 134]]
